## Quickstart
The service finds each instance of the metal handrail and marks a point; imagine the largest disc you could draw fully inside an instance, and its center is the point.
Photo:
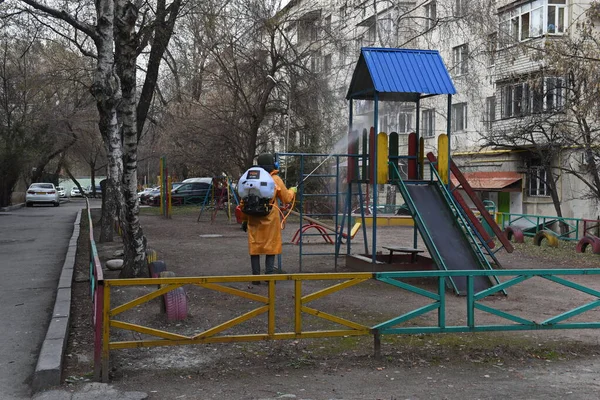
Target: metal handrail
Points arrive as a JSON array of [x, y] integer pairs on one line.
[[97, 294]]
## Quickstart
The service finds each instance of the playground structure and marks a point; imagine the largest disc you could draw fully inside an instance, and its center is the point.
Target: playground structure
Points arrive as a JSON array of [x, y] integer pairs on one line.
[[454, 236], [220, 195]]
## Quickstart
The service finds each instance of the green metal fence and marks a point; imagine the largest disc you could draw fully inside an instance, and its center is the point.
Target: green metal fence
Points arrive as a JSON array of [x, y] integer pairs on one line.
[[532, 224], [474, 302]]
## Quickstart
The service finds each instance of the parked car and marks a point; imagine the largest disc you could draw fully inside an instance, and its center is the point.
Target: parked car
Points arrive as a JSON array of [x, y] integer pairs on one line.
[[61, 191], [90, 192], [153, 197], [149, 193], [190, 193], [202, 180], [184, 193], [42, 193], [75, 192], [143, 192]]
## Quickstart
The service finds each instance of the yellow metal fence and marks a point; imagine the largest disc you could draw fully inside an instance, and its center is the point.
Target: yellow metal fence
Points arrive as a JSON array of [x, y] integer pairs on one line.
[[218, 334]]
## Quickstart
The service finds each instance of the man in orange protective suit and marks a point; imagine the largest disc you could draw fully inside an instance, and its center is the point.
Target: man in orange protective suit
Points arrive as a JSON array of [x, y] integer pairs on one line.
[[264, 233]]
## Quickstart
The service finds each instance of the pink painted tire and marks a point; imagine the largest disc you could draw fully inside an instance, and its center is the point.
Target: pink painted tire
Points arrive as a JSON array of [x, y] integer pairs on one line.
[[164, 274], [176, 304], [516, 233], [586, 241]]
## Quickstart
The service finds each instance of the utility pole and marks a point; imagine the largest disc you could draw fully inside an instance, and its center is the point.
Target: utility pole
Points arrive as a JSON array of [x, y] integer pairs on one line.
[[287, 126]]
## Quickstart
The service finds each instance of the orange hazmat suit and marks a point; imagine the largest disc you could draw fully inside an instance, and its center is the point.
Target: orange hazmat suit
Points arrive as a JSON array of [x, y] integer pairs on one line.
[[264, 233]]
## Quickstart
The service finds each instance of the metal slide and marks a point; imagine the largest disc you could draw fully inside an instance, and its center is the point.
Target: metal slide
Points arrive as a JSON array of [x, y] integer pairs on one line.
[[447, 239]]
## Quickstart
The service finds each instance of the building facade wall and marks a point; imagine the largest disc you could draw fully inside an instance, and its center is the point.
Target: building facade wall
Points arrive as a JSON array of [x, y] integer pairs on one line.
[[482, 52]]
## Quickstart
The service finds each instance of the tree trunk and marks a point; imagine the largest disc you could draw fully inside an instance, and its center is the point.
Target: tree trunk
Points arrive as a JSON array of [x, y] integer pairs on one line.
[[93, 179], [551, 182], [10, 169], [75, 181], [164, 23], [106, 90], [108, 217], [133, 237]]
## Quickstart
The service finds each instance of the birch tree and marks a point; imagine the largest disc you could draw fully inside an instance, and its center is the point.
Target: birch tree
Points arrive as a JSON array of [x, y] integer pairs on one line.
[[115, 33]]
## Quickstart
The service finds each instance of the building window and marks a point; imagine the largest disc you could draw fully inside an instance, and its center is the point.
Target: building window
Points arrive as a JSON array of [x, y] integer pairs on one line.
[[428, 117], [556, 17], [430, 15], [490, 112], [492, 43], [459, 117], [372, 34], [383, 124], [533, 19], [554, 91], [460, 55], [327, 64], [343, 55], [537, 182], [315, 62], [327, 25], [545, 94], [404, 122], [460, 8]]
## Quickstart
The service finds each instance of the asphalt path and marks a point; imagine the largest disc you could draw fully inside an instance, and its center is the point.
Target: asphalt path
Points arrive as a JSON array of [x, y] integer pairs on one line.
[[33, 245]]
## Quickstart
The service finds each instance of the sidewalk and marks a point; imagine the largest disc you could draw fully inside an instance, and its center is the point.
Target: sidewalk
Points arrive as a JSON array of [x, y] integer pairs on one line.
[[91, 391], [47, 375]]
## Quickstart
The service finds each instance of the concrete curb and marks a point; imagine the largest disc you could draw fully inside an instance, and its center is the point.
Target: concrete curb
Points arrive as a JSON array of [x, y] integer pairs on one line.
[[50, 361], [11, 208]]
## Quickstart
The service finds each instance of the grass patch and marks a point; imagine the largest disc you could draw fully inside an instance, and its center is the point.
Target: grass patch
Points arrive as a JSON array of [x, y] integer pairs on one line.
[[436, 349], [563, 256]]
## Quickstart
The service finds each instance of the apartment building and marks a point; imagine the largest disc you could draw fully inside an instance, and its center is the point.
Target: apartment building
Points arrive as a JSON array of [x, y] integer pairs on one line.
[[508, 93]]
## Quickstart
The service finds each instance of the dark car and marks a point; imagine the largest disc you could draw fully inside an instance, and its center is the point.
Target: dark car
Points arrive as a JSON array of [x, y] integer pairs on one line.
[[186, 193], [90, 192]]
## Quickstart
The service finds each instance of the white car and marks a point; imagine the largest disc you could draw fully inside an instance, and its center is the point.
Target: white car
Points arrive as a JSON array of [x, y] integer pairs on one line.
[[61, 191], [42, 193], [75, 192]]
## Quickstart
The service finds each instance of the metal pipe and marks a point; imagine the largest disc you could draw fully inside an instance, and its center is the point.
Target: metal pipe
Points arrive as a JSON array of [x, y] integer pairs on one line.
[[317, 167]]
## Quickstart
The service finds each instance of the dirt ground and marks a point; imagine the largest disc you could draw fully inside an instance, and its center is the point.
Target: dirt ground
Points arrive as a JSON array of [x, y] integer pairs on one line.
[[527, 364]]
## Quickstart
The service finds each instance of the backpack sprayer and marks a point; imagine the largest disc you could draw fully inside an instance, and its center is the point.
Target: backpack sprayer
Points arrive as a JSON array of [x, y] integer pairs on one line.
[[257, 191]]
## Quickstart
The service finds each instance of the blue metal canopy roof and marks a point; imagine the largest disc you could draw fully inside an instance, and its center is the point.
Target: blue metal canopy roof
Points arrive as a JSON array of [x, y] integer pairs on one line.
[[399, 75]]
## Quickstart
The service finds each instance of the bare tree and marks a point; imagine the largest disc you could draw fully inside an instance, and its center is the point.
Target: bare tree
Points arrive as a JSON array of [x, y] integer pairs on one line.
[[239, 74], [38, 100], [558, 113], [120, 30], [577, 59]]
